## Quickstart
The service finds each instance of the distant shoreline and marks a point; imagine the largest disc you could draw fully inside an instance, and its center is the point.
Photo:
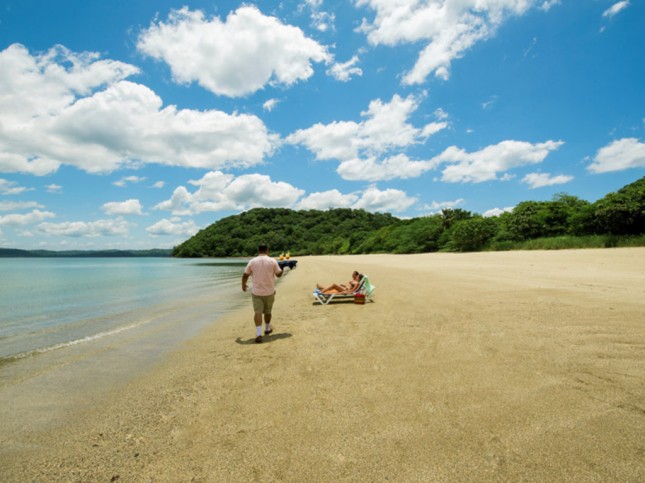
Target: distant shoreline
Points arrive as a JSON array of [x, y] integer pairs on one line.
[[18, 253]]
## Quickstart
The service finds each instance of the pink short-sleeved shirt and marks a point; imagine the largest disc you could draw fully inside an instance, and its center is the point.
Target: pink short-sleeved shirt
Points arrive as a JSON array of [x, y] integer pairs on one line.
[[263, 269]]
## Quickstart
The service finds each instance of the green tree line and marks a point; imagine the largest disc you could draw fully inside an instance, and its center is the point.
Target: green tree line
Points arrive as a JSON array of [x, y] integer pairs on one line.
[[300, 232], [564, 222]]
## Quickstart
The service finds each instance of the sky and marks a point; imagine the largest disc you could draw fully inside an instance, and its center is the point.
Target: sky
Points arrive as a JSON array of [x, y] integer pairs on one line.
[[132, 124]]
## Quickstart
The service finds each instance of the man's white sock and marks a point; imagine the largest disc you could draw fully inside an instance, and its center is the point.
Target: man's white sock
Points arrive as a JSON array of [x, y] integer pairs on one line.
[[268, 327], [258, 330]]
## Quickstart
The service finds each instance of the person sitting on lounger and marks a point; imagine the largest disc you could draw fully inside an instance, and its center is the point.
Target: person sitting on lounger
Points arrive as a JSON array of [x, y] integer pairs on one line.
[[348, 287]]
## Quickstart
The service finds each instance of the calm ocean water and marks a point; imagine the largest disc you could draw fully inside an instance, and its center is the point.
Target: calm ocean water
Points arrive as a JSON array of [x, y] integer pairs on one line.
[[50, 303], [72, 329]]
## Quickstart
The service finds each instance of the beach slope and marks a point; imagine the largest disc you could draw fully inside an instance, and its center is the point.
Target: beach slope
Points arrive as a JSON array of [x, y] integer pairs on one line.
[[466, 367]]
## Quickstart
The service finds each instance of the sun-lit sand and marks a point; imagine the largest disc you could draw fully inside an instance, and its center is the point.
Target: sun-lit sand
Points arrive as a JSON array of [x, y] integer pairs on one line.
[[515, 366]]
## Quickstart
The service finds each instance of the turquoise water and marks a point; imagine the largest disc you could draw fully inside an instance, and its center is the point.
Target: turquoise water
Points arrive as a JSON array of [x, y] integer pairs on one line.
[[74, 329], [49, 303]]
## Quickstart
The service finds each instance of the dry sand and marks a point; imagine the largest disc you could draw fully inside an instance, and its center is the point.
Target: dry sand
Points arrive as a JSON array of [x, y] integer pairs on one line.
[[518, 366]]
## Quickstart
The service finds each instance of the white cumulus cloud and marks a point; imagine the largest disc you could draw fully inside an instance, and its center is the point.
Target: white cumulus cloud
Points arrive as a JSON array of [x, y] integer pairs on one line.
[[371, 169], [492, 161], [36, 216], [371, 149], [53, 79], [234, 57], [129, 207], [54, 188], [18, 205], [447, 28], [82, 229], [255, 190], [324, 200], [89, 117], [540, 180], [166, 227], [218, 192], [270, 104], [548, 4], [619, 155], [386, 200], [346, 70], [11, 188], [122, 183], [320, 20], [179, 203], [497, 211], [372, 199], [440, 114], [437, 206], [616, 8]]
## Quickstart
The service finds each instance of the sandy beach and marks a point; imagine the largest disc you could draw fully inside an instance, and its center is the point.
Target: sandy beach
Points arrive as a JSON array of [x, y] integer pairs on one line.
[[510, 366]]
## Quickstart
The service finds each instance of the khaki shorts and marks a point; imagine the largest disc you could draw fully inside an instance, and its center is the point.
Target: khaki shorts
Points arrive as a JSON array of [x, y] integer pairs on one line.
[[263, 304]]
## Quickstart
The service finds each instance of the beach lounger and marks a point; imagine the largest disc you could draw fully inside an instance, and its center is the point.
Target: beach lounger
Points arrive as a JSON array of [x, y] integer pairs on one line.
[[365, 287]]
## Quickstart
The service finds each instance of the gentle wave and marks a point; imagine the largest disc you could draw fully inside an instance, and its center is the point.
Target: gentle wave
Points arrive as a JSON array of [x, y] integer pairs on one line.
[[89, 338], [48, 304]]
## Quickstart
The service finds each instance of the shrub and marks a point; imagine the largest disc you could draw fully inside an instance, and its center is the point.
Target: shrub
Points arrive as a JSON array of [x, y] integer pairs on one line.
[[473, 234]]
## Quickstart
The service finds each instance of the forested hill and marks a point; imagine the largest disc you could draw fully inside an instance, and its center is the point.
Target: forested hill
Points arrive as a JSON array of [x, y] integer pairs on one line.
[[618, 219], [301, 232]]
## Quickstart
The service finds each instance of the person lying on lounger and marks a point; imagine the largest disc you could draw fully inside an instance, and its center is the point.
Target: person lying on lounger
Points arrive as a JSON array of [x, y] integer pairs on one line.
[[348, 287]]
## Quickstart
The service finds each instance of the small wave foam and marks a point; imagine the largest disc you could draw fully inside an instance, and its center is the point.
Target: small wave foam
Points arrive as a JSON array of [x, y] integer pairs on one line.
[[82, 340]]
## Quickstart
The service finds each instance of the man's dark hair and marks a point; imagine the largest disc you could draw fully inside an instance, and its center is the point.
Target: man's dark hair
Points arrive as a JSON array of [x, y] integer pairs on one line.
[[263, 248]]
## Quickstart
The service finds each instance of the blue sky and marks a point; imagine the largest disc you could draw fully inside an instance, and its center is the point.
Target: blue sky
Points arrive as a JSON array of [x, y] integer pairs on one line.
[[133, 124]]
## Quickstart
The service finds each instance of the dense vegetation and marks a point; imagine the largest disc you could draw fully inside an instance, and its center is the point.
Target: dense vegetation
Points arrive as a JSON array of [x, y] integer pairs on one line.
[[566, 221], [301, 232]]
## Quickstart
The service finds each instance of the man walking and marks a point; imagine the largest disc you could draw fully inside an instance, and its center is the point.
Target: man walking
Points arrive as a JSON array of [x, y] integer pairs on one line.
[[263, 269]]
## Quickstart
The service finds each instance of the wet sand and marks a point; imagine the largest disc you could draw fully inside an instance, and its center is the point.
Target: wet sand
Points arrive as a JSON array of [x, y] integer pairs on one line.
[[514, 366]]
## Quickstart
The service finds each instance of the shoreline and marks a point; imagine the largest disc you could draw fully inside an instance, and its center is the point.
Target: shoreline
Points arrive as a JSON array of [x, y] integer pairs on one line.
[[41, 387], [487, 366]]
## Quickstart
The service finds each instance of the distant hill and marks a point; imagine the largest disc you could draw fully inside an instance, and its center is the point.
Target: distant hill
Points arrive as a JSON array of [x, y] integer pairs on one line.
[[301, 232], [617, 219], [16, 253]]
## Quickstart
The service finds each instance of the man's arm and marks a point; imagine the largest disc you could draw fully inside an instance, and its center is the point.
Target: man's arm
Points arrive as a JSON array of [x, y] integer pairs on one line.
[[245, 278]]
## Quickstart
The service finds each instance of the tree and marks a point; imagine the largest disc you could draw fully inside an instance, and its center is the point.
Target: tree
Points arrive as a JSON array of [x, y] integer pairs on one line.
[[527, 221], [452, 215], [565, 214], [301, 232], [345, 230], [622, 212], [472, 234]]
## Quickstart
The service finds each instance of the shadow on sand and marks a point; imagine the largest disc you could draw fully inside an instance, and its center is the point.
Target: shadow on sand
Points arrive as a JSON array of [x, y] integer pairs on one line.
[[265, 338]]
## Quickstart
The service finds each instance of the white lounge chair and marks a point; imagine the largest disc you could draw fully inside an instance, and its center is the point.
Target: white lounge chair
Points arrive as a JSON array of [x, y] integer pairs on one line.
[[365, 287]]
